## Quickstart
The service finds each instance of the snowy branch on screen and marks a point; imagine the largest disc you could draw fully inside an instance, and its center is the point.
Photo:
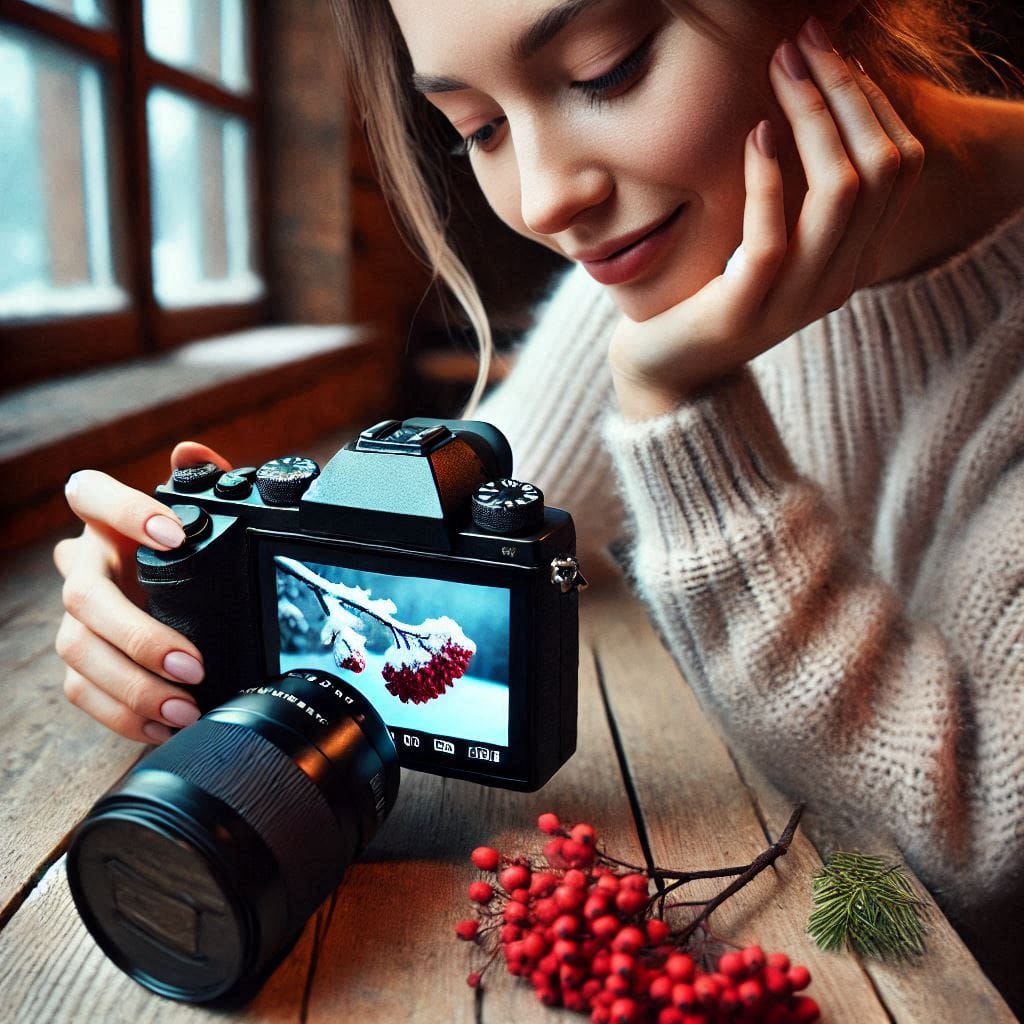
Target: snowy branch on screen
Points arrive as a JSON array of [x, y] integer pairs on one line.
[[423, 660]]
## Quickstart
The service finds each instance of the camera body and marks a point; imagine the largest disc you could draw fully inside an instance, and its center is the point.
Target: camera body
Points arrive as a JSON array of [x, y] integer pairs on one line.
[[411, 566]]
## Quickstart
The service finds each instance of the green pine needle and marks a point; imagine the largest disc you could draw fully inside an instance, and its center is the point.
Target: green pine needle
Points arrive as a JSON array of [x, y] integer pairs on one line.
[[868, 906]]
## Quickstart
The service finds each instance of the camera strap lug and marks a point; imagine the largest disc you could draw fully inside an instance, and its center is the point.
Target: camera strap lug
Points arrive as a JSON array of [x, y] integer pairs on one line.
[[566, 573]]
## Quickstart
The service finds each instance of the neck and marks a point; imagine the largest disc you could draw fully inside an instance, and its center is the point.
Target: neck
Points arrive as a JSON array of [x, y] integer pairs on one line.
[[972, 179]]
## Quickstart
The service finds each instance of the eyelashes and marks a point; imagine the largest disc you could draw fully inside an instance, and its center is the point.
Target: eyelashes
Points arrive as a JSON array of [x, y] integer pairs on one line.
[[597, 90]]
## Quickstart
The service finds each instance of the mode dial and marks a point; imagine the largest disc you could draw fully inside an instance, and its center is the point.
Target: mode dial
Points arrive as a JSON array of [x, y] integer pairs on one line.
[[508, 506], [283, 481]]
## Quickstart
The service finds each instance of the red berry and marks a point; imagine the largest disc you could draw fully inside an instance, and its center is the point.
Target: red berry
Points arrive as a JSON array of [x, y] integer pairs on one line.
[[660, 989], [473, 979], [590, 989], [670, 1015], [467, 929], [547, 911], [481, 892], [584, 834], [549, 824], [575, 879], [571, 975], [549, 964], [515, 876], [516, 913], [803, 1010], [731, 965], [606, 927], [629, 940], [680, 967], [634, 881], [485, 858], [750, 993], [549, 996], [684, 997], [776, 1014], [520, 895], [576, 855], [630, 901], [617, 984], [600, 1015], [553, 852], [566, 950], [601, 965], [622, 964], [543, 884], [776, 983], [753, 958], [608, 883], [510, 932], [728, 1000], [596, 906], [534, 946], [570, 899], [625, 1011], [779, 961], [657, 931], [566, 926], [799, 977], [707, 990]]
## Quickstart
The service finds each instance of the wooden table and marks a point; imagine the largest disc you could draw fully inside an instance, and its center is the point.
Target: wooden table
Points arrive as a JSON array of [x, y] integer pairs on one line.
[[649, 769]]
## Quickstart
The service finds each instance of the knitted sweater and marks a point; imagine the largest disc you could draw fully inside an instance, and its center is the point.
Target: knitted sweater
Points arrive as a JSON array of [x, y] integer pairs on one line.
[[831, 543]]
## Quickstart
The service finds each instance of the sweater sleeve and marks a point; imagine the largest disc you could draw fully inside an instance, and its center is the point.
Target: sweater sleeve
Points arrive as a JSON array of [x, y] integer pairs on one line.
[[812, 663], [551, 406]]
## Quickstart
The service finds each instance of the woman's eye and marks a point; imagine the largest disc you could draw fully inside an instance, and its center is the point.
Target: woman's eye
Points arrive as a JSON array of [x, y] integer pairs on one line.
[[480, 138], [620, 78]]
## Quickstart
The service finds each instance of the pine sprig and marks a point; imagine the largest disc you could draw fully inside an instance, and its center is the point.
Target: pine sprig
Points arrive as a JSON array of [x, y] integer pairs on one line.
[[867, 905]]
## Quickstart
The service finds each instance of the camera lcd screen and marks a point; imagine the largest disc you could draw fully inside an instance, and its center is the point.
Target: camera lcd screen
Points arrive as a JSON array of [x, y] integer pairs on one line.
[[432, 655]]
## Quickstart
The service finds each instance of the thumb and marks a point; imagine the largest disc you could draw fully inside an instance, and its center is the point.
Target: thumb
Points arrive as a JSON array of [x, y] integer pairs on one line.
[[192, 453]]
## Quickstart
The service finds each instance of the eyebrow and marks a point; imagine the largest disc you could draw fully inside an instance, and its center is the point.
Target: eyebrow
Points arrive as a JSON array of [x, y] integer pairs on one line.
[[535, 38]]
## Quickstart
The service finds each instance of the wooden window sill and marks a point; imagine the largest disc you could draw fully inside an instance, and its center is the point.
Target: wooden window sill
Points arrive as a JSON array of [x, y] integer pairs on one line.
[[251, 395]]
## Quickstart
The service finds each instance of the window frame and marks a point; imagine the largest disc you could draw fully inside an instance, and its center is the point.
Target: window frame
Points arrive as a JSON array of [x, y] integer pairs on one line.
[[52, 345]]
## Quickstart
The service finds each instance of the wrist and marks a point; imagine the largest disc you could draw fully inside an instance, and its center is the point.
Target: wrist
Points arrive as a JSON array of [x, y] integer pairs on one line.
[[642, 400]]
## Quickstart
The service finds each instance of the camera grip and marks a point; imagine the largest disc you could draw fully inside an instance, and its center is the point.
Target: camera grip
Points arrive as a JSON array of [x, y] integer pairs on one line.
[[202, 591]]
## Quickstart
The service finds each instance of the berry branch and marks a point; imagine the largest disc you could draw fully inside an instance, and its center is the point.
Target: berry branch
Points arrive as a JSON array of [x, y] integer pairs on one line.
[[580, 926], [422, 662]]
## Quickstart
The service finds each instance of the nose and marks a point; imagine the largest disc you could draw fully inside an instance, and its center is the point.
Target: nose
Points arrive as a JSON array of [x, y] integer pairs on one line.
[[557, 181]]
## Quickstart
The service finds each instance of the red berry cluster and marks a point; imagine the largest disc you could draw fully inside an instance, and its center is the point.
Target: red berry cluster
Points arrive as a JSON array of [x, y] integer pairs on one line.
[[427, 680], [354, 661], [580, 929]]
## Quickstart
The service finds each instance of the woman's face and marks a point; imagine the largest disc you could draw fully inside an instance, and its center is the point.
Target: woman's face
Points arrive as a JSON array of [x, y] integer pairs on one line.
[[611, 131]]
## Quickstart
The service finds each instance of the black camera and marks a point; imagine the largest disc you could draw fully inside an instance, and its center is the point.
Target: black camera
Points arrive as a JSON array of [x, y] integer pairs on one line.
[[410, 604], [441, 589]]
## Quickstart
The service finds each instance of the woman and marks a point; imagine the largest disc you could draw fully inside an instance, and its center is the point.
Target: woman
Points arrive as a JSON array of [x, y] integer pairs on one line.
[[817, 447]]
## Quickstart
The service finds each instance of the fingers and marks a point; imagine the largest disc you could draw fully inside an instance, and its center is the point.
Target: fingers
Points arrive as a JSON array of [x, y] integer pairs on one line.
[[109, 712], [100, 500], [192, 453], [127, 684], [860, 161]]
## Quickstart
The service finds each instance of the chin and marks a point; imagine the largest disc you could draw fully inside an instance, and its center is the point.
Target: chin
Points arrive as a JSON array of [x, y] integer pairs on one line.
[[642, 301]]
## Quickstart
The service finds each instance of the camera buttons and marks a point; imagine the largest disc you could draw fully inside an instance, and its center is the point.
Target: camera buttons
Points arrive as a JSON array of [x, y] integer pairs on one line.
[[195, 521], [193, 479], [233, 485]]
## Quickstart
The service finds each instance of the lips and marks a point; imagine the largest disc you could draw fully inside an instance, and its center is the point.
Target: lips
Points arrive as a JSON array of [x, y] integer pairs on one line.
[[626, 257]]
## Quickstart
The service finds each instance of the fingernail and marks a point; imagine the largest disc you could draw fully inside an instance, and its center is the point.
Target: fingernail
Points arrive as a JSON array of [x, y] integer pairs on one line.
[[764, 139], [164, 531], [735, 265], [184, 667], [792, 63], [156, 732], [814, 32], [179, 712], [71, 487]]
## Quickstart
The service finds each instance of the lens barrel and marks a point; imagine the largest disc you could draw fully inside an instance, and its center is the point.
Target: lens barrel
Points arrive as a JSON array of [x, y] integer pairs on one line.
[[198, 871]]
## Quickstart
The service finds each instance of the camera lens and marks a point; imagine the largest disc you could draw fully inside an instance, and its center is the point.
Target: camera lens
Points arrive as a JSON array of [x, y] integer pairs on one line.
[[197, 873]]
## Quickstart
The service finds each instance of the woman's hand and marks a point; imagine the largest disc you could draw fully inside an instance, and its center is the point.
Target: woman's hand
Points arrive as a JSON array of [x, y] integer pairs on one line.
[[861, 163], [122, 663]]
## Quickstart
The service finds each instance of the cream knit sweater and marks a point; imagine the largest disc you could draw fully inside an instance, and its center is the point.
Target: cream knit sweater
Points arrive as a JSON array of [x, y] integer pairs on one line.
[[831, 543]]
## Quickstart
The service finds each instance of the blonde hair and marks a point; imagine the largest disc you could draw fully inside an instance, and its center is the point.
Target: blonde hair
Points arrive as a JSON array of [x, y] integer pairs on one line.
[[928, 38]]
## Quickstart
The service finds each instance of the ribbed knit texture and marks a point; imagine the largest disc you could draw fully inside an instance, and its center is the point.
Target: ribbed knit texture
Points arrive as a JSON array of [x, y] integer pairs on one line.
[[831, 543]]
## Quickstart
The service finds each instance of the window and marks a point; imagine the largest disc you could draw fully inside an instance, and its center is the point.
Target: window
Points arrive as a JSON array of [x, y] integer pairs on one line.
[[131, 178]]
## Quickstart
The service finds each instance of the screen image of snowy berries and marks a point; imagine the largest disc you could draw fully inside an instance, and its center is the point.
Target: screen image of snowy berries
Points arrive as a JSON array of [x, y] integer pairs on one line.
[[422, 661], [585, 931]]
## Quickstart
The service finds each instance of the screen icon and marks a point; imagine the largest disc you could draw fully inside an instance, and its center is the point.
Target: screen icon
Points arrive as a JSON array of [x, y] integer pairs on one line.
[[444, 746], [485, 754]]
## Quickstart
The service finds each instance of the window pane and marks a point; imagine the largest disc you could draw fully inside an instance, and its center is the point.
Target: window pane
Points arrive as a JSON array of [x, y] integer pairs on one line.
[[207, 37], [203, 213], [56, 233], [96, 13]]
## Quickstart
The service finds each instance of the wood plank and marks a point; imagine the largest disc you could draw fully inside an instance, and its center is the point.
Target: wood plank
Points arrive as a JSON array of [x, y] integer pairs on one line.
[[699, 814]]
